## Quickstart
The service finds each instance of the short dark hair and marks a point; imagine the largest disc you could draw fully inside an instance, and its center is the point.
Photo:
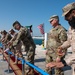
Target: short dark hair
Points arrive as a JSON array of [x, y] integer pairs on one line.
[[11, 30], [5, 32], [16, 22]]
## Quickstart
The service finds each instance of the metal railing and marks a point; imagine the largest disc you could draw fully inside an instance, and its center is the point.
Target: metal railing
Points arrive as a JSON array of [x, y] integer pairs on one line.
[[24, 62], [28, 63]]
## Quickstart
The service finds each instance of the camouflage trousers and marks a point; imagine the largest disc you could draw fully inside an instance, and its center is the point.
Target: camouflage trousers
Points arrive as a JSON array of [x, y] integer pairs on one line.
[[29, 58], [18, 52], [50, 58]]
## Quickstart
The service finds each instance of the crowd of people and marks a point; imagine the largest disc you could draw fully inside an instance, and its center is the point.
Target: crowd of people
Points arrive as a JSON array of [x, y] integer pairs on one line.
[[59, 39], [14, 41]]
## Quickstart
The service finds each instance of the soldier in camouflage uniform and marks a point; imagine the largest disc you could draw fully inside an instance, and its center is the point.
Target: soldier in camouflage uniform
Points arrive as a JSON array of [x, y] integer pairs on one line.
[[25, 37], [56, 37], [17, 49], [6, 37], [69, 14]]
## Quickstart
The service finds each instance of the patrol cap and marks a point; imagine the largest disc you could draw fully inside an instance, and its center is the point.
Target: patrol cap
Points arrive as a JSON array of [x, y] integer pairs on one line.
[[16, 22], [66, 9], [4, 31], [11, 30], [53, 17]]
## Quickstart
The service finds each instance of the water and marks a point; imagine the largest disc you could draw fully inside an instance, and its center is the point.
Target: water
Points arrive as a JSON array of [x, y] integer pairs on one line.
[[38, 41]]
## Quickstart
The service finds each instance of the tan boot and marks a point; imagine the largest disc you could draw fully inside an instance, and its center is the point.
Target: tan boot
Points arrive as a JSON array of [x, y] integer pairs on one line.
[[26, 72], [31, 72]]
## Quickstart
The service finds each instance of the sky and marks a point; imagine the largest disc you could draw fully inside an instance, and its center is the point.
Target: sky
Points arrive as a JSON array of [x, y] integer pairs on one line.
[[31, 12]]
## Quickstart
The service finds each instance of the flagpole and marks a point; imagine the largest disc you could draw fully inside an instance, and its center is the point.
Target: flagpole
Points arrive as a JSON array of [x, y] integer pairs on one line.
[[41, 27], [44, 32], [43, 42], [43, 35]]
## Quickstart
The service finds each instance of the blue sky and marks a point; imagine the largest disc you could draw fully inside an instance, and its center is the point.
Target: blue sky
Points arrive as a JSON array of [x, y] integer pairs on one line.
[[31, 12]]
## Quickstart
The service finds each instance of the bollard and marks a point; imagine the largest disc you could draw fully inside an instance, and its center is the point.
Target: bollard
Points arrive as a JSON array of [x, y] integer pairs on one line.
[[3, 54], [8, 62], [23, 61], [8, 70]]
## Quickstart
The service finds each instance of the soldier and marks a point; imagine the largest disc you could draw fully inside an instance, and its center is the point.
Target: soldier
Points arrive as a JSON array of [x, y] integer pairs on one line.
[[56, 37], [69, 14], [17, 49], [25, 37], [6, 37]]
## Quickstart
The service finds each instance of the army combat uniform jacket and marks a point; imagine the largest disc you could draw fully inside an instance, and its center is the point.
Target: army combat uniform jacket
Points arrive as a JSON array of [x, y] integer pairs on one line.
[[70, 42], [25, 36], [56, 37], [16, 49], [6, 39]]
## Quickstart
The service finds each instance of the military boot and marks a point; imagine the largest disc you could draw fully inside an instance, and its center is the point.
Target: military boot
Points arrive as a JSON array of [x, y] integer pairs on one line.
[[31, 72], [26, 72]]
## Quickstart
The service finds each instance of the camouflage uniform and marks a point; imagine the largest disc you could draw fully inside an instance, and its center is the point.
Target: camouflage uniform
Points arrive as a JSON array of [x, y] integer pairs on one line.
[[56, 37], [6, 38], [17, 49], [70, 42], [71, 32], [10, 46], [27, 40]]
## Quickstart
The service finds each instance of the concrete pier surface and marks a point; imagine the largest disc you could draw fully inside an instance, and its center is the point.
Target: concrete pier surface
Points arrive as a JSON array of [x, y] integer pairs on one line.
[[39, 62]]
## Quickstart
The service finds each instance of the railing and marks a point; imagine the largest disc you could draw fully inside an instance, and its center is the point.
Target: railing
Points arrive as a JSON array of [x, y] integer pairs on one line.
[[25, 62], [33, 66]]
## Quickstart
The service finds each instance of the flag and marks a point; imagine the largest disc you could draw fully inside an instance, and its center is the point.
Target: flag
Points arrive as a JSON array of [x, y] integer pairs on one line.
[[41, 27], [29, 27]]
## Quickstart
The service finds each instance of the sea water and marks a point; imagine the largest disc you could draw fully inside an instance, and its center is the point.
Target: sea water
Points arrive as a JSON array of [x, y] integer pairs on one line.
[[38, 41]]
